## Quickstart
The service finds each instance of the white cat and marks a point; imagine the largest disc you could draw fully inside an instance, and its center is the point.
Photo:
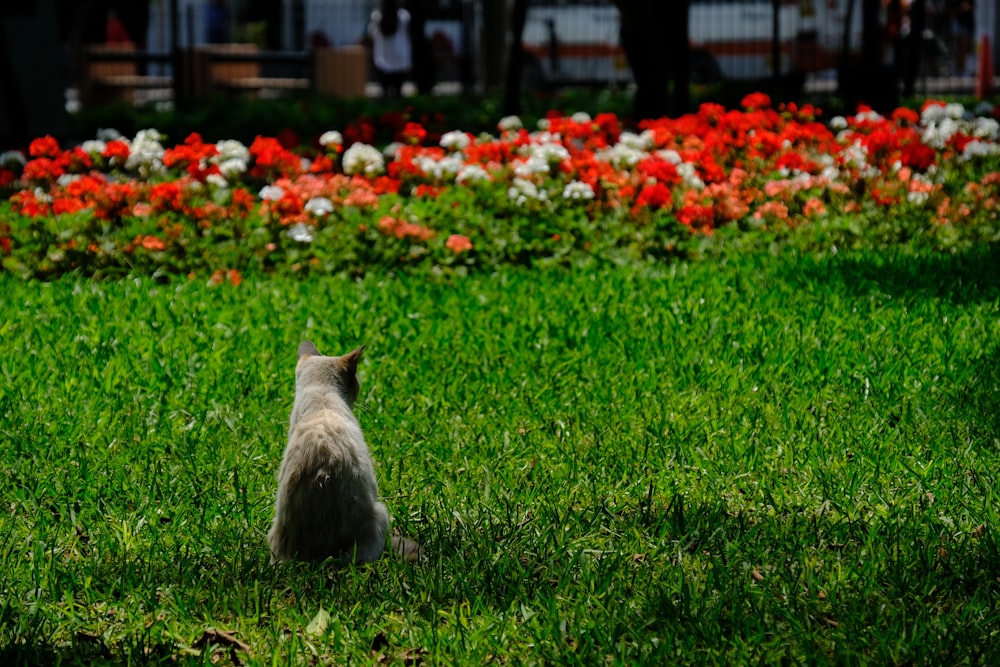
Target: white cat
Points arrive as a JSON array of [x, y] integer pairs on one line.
[[327, 504]]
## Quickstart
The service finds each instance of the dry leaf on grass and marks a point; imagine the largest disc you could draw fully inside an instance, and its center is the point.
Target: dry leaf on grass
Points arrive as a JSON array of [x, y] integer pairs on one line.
[[320, 622], [222, 638], [414, 657]]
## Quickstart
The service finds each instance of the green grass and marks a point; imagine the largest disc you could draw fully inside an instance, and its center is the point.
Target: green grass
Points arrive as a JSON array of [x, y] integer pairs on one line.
[[766, 458]]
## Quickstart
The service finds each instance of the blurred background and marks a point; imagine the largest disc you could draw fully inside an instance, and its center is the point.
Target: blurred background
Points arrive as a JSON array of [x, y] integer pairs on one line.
[[58, 56]]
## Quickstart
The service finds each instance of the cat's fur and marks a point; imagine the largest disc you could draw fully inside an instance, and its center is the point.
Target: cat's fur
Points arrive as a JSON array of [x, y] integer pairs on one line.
[[327, 504]]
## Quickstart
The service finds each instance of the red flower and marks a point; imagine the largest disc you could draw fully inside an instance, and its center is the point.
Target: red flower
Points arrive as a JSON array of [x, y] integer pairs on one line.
[[288, 139], [193, 155], [361, 131], [918, 155], [26, 203], [658, 169], [272, 160], [429, 191], [167, 197], [116, 152], [412, 133], [755, 101], [62, 205], [322, 164], [74, 161], [42, 169], [44, 147], [655, 196], [904, 116]]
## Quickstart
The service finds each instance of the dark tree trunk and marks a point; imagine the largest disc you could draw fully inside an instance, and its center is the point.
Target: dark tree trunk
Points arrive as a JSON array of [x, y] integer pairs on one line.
[[871, 35], [776, 39], [423, 56], [915, 47], [655, 38], [679, 53], [515, 59], [492, 39]]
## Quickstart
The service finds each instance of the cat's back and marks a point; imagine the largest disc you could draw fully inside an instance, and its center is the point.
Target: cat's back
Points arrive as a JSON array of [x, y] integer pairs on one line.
[[325, 439]]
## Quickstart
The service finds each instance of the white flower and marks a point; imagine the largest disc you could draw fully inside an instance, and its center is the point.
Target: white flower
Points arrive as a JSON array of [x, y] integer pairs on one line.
[[438, 169], [12, 159], [319, 206], [977, 148], [551, 152], [232, 167], [856, 155], [670, 155], [92, 147], [937, 113], [331, 138], [217, 181], [471, 173], [838, 123], [689, 175], [146, 153], [985, 128], [621, 155], [580, 117], [363, 159], [108, 134], [149, 134], [640, 142], [391, 151], [522, 191], [300, 232], [578, 190], [271, 193], [936, 135], [230, 149], [829, 173], [510, 123], [535, 164], [871, 115], [455, 140]]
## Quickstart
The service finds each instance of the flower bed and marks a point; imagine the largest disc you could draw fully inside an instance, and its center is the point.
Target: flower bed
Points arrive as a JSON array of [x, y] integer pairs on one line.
[[575, 188]]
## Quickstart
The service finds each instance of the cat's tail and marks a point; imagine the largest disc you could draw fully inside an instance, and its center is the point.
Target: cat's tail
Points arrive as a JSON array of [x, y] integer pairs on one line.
[[406, 549]]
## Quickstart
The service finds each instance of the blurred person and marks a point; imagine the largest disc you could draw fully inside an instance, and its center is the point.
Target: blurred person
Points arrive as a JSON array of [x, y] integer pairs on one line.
[[962, 26], [392, 51], [217, 22]]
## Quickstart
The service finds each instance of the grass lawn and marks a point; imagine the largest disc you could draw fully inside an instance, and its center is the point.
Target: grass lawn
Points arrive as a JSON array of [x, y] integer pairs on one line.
[[760, 458]]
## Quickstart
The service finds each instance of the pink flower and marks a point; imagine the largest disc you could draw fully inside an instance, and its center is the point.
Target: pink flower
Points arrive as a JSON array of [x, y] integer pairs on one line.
[[814, 207], [458, 243]]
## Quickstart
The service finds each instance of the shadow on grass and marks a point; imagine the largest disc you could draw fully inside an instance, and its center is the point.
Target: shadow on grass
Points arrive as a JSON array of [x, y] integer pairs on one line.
[[85, 649], [968, 276], [912, 592]]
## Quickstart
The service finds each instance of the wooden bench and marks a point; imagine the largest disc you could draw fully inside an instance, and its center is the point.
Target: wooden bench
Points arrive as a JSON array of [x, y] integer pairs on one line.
[[231, 68], [110, 73], [340, 71]]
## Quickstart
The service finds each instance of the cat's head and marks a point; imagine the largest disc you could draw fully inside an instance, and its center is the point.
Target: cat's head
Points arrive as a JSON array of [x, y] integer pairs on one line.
[[313, 369]]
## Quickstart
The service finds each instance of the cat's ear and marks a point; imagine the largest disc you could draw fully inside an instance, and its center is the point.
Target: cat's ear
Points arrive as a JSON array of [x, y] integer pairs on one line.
[[350, 360], [307, 349]]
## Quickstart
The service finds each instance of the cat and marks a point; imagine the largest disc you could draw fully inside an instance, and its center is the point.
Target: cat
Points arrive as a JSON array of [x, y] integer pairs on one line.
[[327, 504]]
